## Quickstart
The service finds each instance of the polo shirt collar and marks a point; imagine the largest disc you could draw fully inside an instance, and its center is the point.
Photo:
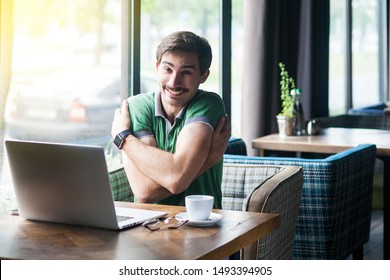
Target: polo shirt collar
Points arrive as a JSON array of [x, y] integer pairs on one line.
[[159, 112]]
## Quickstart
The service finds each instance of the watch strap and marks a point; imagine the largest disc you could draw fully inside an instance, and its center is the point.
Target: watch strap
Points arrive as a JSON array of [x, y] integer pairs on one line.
[[124, 134], [121, 137]]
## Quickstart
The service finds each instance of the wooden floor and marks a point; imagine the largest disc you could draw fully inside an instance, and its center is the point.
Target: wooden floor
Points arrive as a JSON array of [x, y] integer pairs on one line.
[[373, 249]]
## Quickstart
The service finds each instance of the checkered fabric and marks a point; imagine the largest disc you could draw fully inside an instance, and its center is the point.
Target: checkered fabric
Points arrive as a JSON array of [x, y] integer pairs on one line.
[[270, 189], [236, 146], [335, 209], [120, 186]]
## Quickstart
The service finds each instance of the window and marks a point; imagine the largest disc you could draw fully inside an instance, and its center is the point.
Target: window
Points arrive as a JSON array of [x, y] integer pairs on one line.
[[65, 70], [237, 69], [65, 74], [358, 54], [159, 18], [67, 65]]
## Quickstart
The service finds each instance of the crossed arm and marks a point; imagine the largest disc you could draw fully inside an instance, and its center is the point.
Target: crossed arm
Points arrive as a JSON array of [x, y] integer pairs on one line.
[[155, 174]]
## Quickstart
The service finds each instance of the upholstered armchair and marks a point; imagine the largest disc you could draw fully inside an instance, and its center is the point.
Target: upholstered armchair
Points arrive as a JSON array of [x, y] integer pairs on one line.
[[335, 209], [379, 109], [370, 121], [236, 146], [270, 189]]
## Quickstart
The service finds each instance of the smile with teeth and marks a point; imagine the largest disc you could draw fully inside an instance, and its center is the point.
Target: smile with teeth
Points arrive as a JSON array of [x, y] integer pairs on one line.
[[176, 91]]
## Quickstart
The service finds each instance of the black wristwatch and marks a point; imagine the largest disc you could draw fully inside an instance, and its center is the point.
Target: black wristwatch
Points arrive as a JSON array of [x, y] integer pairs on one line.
[[120, 138]]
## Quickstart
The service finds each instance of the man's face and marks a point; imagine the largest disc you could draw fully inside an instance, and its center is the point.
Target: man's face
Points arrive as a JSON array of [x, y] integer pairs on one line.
[[179, 78]]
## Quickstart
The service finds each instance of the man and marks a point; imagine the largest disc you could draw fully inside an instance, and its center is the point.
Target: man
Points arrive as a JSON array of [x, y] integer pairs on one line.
[[171, 140]]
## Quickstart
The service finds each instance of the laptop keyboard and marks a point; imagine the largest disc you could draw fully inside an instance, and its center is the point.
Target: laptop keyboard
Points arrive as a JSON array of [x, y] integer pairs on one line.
[[123, 218]]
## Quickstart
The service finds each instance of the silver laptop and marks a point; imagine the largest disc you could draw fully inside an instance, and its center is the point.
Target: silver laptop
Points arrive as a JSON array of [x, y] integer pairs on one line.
[[67, 184]]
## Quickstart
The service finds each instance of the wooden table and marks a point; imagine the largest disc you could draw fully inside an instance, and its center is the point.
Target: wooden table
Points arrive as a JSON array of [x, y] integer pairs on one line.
[[24, 239], [334, 140]]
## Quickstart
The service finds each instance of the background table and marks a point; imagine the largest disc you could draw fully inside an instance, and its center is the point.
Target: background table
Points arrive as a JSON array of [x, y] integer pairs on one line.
[[24, 239], [334, 140]]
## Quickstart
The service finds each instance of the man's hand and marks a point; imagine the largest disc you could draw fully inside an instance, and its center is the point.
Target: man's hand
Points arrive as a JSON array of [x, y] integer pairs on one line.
[[219, 143], [220, 140], [121, 119]]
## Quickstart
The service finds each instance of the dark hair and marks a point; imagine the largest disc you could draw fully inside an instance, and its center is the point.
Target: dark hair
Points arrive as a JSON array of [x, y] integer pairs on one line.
[[188, 42]]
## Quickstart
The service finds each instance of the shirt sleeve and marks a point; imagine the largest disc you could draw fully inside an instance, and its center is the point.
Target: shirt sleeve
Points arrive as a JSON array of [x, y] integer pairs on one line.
[[141, 109], [206, 107]]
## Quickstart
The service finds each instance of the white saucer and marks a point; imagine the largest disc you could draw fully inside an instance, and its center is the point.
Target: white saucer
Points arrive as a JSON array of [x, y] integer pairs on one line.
[[212, 220]]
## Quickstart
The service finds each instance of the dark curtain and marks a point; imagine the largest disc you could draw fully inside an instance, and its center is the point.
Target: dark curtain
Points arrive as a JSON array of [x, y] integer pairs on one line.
[[295, 32]]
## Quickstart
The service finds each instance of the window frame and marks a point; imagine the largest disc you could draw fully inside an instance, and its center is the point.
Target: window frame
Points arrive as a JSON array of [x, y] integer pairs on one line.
[[383, 53]]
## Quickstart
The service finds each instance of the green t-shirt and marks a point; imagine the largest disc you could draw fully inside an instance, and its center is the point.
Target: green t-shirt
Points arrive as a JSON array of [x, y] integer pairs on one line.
[[147, 119]]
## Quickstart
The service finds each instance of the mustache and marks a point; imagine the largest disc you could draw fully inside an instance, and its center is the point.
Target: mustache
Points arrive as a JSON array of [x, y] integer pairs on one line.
[[175, 88]]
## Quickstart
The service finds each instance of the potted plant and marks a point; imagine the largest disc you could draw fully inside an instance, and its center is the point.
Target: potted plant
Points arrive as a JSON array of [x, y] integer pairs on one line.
[[286, 117]]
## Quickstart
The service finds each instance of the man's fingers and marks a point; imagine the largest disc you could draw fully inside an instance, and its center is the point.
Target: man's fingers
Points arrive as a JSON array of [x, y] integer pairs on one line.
[[227, 126], [223, 125], [121, 119], [124, 108], [220, 124]]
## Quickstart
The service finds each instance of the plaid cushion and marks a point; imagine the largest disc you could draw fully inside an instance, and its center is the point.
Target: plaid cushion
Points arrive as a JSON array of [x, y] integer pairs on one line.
[[271, 189], [335, 210], [238, 181], [120, 186]]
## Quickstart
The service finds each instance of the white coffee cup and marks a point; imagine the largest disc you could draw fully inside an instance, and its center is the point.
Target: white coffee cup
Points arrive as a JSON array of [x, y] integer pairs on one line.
[[199, 207]]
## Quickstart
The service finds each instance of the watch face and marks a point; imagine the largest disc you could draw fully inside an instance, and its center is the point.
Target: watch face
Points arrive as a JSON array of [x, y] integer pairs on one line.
[[118, 141]]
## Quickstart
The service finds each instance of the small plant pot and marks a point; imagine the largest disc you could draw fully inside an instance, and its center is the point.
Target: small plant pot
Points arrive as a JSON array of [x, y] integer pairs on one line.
[[285, 125]]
